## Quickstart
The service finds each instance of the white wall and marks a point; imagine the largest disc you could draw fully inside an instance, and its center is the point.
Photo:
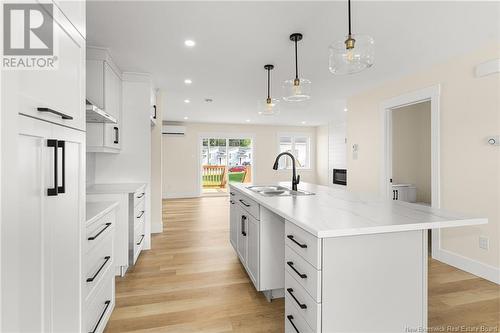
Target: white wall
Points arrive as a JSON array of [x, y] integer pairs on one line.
[[156, 167], [470, 168], [322, 155], [181, 163], [411, 148]]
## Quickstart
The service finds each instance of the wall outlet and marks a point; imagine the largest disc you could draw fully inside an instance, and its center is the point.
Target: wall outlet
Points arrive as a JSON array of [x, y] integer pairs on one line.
[[484, 242]]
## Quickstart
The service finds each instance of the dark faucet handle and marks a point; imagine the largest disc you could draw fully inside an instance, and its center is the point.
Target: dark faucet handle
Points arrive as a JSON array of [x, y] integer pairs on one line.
[[298, 180]]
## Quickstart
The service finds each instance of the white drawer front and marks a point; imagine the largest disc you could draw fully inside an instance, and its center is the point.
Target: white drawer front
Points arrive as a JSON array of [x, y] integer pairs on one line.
[[98, 309], [234, 195], [139, 196], [252, 207], [304, 273], [305, 304], [139, 211], [294, 322], [305, 244], [138, 240], [97, 263], [99, 230]]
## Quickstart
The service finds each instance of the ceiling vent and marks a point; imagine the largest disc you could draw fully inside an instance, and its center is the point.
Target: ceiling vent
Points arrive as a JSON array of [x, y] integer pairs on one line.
[[173, 130]]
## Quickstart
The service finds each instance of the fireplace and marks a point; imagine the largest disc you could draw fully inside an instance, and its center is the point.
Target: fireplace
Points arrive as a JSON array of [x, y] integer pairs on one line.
[[340, 176]]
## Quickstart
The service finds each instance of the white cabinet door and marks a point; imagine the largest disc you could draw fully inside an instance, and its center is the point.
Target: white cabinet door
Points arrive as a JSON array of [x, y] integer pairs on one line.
[[242, 221], [40, 236], [112, 91], [253, 250], [233, 224], [112, 136], [58, 94]]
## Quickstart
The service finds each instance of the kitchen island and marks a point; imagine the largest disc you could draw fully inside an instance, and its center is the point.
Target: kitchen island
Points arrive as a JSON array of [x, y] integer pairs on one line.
[[345, 262]]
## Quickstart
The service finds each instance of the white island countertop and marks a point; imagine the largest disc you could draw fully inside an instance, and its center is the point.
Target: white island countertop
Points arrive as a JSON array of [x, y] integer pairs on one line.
[[334, 212], [96, 210]]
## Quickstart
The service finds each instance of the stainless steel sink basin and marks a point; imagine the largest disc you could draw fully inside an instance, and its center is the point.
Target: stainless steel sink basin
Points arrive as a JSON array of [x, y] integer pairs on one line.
[[277, 191]]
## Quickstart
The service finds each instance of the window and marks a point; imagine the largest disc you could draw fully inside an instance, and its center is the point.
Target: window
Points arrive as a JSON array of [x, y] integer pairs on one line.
[[299, 147]]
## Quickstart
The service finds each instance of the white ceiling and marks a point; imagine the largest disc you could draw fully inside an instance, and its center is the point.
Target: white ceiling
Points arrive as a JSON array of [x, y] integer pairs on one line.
[[234, 40]]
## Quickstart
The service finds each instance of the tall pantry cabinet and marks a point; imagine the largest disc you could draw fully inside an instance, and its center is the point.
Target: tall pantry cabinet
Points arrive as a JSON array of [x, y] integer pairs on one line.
[[43, 188]]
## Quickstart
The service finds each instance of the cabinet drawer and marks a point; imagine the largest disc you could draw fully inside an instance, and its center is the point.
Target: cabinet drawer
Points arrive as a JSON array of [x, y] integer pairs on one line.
[[294, 322], [98, 309], [304, 273], [305, 304], [139, 211], [250, 206], [56, 95], [305, 244], [139, 196], [138, 241], [97, 263], [99, 230]]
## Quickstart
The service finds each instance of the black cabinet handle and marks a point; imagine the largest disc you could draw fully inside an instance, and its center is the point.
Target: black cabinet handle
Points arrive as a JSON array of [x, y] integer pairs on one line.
[[232, 193], [290, 319], [232, 202], [62, 188], [100, 232], [57, 113], [393, 194], [243, 219], [52, 191], [290, 291], [397, 194], [290, 237], [106, 259], [244, 203], [139, 243], [142, 213], [106, 306], [154, 107], [117, 135], [290, 263], [140, 195]]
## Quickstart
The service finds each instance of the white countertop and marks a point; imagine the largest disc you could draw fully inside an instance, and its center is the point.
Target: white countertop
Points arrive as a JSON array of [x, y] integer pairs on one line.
[[334, 212], [114, 188], [96, 210]]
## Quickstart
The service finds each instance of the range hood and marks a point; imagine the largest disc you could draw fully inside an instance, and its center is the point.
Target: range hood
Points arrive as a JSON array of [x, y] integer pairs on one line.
[[96, 115]]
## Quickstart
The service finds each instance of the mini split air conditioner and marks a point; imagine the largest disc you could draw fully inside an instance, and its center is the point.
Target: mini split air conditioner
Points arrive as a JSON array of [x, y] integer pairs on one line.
[[173, 130]]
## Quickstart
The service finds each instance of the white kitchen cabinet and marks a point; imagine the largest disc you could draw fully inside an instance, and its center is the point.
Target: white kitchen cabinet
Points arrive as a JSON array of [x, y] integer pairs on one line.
[[242, 237], [253, 233], [404, 192], [43, 198], [233, 224], [55, 95]]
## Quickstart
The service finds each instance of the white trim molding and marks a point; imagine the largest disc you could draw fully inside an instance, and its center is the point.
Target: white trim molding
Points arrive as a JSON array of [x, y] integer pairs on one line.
[[180, 195], [472, 266]]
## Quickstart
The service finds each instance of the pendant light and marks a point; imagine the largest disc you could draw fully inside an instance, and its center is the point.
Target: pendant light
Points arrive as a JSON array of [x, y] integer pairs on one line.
[[297, 89], [269, 106], [353, 54]]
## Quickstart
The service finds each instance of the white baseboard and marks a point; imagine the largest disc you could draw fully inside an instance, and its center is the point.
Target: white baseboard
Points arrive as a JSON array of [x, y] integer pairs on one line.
[[181, 195], [475, 267]]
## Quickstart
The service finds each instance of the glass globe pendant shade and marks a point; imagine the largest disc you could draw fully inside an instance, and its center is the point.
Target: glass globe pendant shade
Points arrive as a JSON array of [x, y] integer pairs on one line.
[[297, 90], [269, 107], [352, 55]]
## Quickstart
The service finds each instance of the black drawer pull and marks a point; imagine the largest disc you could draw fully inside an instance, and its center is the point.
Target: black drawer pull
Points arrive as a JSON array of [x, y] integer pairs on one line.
[[100, 232], [290, 263], [290, 319], [107, 303], [52, 191], [106, 259], [232, 193], [232, 202], [140, 215], [243, 219], [244, 203], [139, 243], [140, 195], [290, 291], [57, 113], [290, 237]]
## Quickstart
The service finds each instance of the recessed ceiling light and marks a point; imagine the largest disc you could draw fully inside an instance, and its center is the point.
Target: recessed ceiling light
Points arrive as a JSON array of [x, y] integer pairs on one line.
[[187, 101], [345, 109], [248, 120], [188, 81], [186, 118], [303, 122], [189, 43]]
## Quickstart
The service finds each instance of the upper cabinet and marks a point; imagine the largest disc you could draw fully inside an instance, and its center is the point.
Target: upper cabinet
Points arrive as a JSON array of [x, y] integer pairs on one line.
[[104, 90]]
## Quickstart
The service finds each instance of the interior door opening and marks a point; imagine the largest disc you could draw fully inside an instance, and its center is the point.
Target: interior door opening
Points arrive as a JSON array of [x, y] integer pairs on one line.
[[225, 160]]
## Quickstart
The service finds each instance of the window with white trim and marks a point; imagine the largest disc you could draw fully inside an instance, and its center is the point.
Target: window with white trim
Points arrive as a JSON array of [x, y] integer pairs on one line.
[[299, 146]]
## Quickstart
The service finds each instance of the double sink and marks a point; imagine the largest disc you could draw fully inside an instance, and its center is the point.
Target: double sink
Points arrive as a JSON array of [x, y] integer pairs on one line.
[[277, 191]]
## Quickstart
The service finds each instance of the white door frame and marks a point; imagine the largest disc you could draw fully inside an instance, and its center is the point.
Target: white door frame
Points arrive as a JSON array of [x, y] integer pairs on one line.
[[431, 94], [222, 135]]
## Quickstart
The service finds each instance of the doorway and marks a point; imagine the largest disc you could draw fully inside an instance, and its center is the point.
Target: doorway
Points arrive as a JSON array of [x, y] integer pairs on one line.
[[224, 160], [403, 143]]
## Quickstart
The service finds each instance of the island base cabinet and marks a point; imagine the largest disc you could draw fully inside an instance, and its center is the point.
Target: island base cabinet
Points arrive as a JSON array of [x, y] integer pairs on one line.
[[375, 283], [253, 250]]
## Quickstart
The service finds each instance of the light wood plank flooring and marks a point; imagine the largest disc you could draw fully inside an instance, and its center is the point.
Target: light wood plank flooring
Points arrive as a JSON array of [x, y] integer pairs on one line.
[[192, 281]]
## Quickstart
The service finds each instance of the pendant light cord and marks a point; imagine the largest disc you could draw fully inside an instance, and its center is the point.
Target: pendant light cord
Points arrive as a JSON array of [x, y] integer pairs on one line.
[[296, 61], [349, 15], [268, 83]]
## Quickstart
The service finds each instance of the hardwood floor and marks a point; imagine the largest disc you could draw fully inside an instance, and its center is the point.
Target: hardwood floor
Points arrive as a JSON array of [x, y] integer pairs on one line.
[[192, 281]]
